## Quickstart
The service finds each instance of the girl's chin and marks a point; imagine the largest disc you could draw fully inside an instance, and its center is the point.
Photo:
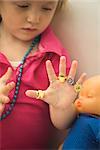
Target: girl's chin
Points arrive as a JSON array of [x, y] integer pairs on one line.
[[26, 39]]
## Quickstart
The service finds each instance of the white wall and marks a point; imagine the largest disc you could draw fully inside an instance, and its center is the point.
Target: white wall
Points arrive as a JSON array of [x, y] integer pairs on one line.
[[79, 30]]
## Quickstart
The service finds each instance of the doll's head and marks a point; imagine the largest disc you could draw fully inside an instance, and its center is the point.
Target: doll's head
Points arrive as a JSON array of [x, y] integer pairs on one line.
[[89, 97]]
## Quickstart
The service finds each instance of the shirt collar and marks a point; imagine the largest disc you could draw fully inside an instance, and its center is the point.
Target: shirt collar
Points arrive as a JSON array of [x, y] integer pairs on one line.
[[49, 42]]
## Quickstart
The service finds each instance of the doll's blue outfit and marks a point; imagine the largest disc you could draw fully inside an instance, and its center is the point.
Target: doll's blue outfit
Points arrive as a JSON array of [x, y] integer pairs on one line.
[[84, 134]]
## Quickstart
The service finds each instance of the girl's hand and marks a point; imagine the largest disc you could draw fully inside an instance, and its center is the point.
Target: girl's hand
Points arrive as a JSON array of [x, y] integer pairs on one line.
[[59, 94], [5, 89]]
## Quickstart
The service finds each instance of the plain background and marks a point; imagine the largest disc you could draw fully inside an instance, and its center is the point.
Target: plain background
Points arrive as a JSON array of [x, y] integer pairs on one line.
[[78, 27]]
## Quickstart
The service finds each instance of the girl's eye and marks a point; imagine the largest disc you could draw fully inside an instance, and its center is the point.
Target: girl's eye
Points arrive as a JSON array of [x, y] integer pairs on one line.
[[47, 9], [23, 6]]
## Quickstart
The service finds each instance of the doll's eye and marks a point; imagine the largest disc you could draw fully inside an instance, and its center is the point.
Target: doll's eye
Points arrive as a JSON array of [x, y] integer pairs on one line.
[[90, 95]]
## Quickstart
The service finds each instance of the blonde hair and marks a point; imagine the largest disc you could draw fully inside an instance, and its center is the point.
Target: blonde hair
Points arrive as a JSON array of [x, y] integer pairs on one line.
[[61, 4]]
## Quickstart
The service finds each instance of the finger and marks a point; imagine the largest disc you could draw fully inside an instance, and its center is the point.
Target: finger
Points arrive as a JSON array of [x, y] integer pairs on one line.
[[2, 106], [8, 88], [4, 99], [31, 93], [62, 66], [78, 85], [73, 69], [50, 71], [6, 76], [82, 78], [39, 94]]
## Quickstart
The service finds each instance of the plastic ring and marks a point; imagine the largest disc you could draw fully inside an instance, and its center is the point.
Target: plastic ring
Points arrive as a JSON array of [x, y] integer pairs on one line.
[[77, 87], [40, 94], [62, 78], [70, 81]]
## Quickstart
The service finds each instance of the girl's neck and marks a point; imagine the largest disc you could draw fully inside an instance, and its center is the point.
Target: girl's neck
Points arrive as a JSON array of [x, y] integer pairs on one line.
[[13, 48]]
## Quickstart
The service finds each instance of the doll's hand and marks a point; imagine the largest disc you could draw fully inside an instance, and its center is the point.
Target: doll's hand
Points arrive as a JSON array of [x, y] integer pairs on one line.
[[60, 93], [5, 89]]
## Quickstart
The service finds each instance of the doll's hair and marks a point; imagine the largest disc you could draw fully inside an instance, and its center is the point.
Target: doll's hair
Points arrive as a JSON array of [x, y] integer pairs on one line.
[[61, 4]]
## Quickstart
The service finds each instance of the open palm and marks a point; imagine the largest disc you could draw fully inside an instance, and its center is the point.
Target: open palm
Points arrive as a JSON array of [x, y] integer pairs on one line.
[[59, 94]]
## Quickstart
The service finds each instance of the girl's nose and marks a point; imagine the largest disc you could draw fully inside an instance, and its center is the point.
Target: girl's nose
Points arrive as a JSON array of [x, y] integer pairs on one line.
[[33, 18]]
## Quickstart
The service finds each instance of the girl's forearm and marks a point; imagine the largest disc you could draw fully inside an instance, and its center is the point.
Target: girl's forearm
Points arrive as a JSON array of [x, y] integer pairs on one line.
[[62, 118]]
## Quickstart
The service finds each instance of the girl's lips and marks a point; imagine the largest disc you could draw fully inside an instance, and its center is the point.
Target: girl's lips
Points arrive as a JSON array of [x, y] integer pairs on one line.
[[29, 29]]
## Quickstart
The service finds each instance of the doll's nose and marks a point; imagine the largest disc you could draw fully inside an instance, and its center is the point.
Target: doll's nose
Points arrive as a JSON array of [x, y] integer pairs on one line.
[[81, 98], [78, 104]]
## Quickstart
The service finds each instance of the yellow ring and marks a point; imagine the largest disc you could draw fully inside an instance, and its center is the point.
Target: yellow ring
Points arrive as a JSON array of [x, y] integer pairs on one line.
[[77, 87], [62, 78], [1, 101], [40, 94]]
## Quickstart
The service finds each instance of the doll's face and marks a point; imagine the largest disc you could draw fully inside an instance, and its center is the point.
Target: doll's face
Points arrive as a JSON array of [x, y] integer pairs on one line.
[[89, 97]]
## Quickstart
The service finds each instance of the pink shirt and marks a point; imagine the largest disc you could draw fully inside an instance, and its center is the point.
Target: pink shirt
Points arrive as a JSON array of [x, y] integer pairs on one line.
[[29, 125]]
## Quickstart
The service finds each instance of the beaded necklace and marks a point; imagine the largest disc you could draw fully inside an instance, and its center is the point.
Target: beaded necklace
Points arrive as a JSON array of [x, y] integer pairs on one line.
[[18, 80]]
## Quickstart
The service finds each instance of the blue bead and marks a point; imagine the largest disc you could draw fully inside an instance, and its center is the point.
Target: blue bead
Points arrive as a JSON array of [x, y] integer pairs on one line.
[[7, 112], [19, 79], [16, 91], [12, 105], [3, 116], [21, 66], [20, 70], [17, 87], [14, 100], [10, 108], [22, 62], [18, 83], [20, 74]]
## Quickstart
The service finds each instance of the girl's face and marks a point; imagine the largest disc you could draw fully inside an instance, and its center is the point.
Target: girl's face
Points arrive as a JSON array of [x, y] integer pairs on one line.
[[25, 19]]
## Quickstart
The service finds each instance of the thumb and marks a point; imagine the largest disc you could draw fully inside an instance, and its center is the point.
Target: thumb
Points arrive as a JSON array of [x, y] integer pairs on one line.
[[38, 94], [31, 93]]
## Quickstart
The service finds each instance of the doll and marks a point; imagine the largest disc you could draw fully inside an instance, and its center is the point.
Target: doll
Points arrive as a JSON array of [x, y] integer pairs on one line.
[[85, 132]]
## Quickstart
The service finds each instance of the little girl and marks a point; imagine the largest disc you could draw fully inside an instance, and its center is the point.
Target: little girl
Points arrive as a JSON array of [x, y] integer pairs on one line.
[[28, 49]]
